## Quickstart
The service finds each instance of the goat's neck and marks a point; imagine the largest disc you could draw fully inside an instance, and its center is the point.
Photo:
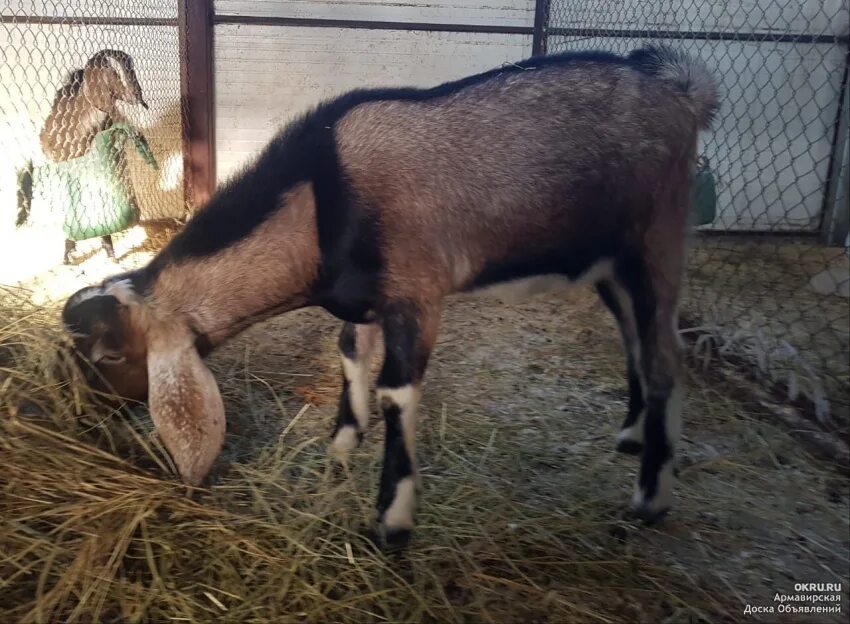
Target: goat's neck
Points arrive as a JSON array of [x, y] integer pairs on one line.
[[270, 271]]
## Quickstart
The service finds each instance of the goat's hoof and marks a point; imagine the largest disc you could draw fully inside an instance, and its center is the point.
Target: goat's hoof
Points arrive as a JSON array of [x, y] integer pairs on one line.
[[394, 540], [650, 511], [650, 517], [629, 447], [387, 540]]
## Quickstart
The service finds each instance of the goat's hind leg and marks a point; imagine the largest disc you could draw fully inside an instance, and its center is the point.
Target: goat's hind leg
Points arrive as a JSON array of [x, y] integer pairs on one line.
[[619, 302], [356, 346], [655, 298]]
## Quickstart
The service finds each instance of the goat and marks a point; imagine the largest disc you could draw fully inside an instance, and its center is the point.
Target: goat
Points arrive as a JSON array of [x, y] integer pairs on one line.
[[84, 106], [380, 203]]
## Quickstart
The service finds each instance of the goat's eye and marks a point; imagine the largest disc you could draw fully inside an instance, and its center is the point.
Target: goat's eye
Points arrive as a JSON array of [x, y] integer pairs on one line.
[[111, 360]]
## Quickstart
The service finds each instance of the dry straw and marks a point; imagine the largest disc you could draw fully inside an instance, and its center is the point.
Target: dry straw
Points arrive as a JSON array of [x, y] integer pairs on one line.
[[95, 528]]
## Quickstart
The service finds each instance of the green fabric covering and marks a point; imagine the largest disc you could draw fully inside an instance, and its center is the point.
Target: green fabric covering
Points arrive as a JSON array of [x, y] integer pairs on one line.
[[94, 191]]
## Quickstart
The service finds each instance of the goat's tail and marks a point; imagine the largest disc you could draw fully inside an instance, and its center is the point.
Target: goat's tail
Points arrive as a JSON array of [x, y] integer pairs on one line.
[[689, 75]]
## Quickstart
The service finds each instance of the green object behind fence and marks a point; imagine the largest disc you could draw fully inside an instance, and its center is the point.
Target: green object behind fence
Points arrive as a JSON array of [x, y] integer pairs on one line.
[[704, 200], [93, 191]]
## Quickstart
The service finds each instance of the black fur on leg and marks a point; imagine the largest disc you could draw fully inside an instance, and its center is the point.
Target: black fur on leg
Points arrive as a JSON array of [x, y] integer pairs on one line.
[[108, 246]]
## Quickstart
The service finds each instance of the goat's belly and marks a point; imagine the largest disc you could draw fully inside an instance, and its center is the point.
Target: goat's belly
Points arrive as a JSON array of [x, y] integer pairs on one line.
[[524, 288]]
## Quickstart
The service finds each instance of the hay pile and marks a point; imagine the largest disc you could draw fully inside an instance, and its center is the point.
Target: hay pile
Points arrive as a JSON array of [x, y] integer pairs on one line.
[[95, 528]]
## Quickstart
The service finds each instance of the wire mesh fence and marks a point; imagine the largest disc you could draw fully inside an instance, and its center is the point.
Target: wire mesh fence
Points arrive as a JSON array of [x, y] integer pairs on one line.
[[92, 136], [763, 287], [91, 126]]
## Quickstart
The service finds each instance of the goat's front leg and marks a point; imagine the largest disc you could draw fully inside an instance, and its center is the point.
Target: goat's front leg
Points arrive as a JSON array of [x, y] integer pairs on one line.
[[410, 331], [356, 346]]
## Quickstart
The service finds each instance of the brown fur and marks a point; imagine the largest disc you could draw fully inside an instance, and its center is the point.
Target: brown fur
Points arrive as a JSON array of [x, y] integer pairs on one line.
[[454, 198], [220, 295]]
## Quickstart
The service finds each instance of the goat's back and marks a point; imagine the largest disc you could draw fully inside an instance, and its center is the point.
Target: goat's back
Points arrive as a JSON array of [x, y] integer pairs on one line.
[[562, 162], [543, 166]]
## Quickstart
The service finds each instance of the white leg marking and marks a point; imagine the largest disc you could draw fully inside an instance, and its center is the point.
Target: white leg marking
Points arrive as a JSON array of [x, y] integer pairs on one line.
[[673, 417], [399, 515], [631, 342], [344, 442], [663, 498], [407, 399], [357, 374], [634, 433]]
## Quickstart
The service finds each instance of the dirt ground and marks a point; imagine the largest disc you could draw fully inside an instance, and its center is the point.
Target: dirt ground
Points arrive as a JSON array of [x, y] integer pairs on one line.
[[756, 513], [518, 419]]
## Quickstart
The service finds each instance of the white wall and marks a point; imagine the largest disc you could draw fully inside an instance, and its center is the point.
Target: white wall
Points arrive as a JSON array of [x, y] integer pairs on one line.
[[266, 75]]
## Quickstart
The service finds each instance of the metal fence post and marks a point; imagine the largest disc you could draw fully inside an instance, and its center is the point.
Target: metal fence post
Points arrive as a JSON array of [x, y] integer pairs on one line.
[[196, 95], [541, 23], [836, 205]]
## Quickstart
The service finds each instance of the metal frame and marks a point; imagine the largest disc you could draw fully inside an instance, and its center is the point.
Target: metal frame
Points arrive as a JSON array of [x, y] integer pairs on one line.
[[836, 208], [697, 35], [319, 22], [541, 23], [87, 21], [195, 26], [197, 18]]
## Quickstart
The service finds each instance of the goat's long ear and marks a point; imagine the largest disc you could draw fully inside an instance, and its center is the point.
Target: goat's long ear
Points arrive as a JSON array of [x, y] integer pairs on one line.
[[185, 403]]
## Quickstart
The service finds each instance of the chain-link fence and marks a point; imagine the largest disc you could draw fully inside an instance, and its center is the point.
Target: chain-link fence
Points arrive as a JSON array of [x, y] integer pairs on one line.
[[91, 128], [768, 274], [92, 137]]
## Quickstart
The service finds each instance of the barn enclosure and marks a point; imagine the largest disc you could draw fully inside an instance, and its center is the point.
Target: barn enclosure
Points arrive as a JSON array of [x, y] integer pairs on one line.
[[117, 121]]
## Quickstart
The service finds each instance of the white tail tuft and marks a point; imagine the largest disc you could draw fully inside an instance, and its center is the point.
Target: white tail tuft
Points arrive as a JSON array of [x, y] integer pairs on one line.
[[689, 74]]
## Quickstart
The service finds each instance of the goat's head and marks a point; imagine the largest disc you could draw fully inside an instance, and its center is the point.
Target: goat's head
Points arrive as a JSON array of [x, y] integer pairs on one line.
[[137, 354], [106, 336], [109, 76]]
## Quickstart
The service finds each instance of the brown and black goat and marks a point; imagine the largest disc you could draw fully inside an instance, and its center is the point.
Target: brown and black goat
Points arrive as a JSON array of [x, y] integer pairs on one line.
[[86, 104], [380, 203]]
